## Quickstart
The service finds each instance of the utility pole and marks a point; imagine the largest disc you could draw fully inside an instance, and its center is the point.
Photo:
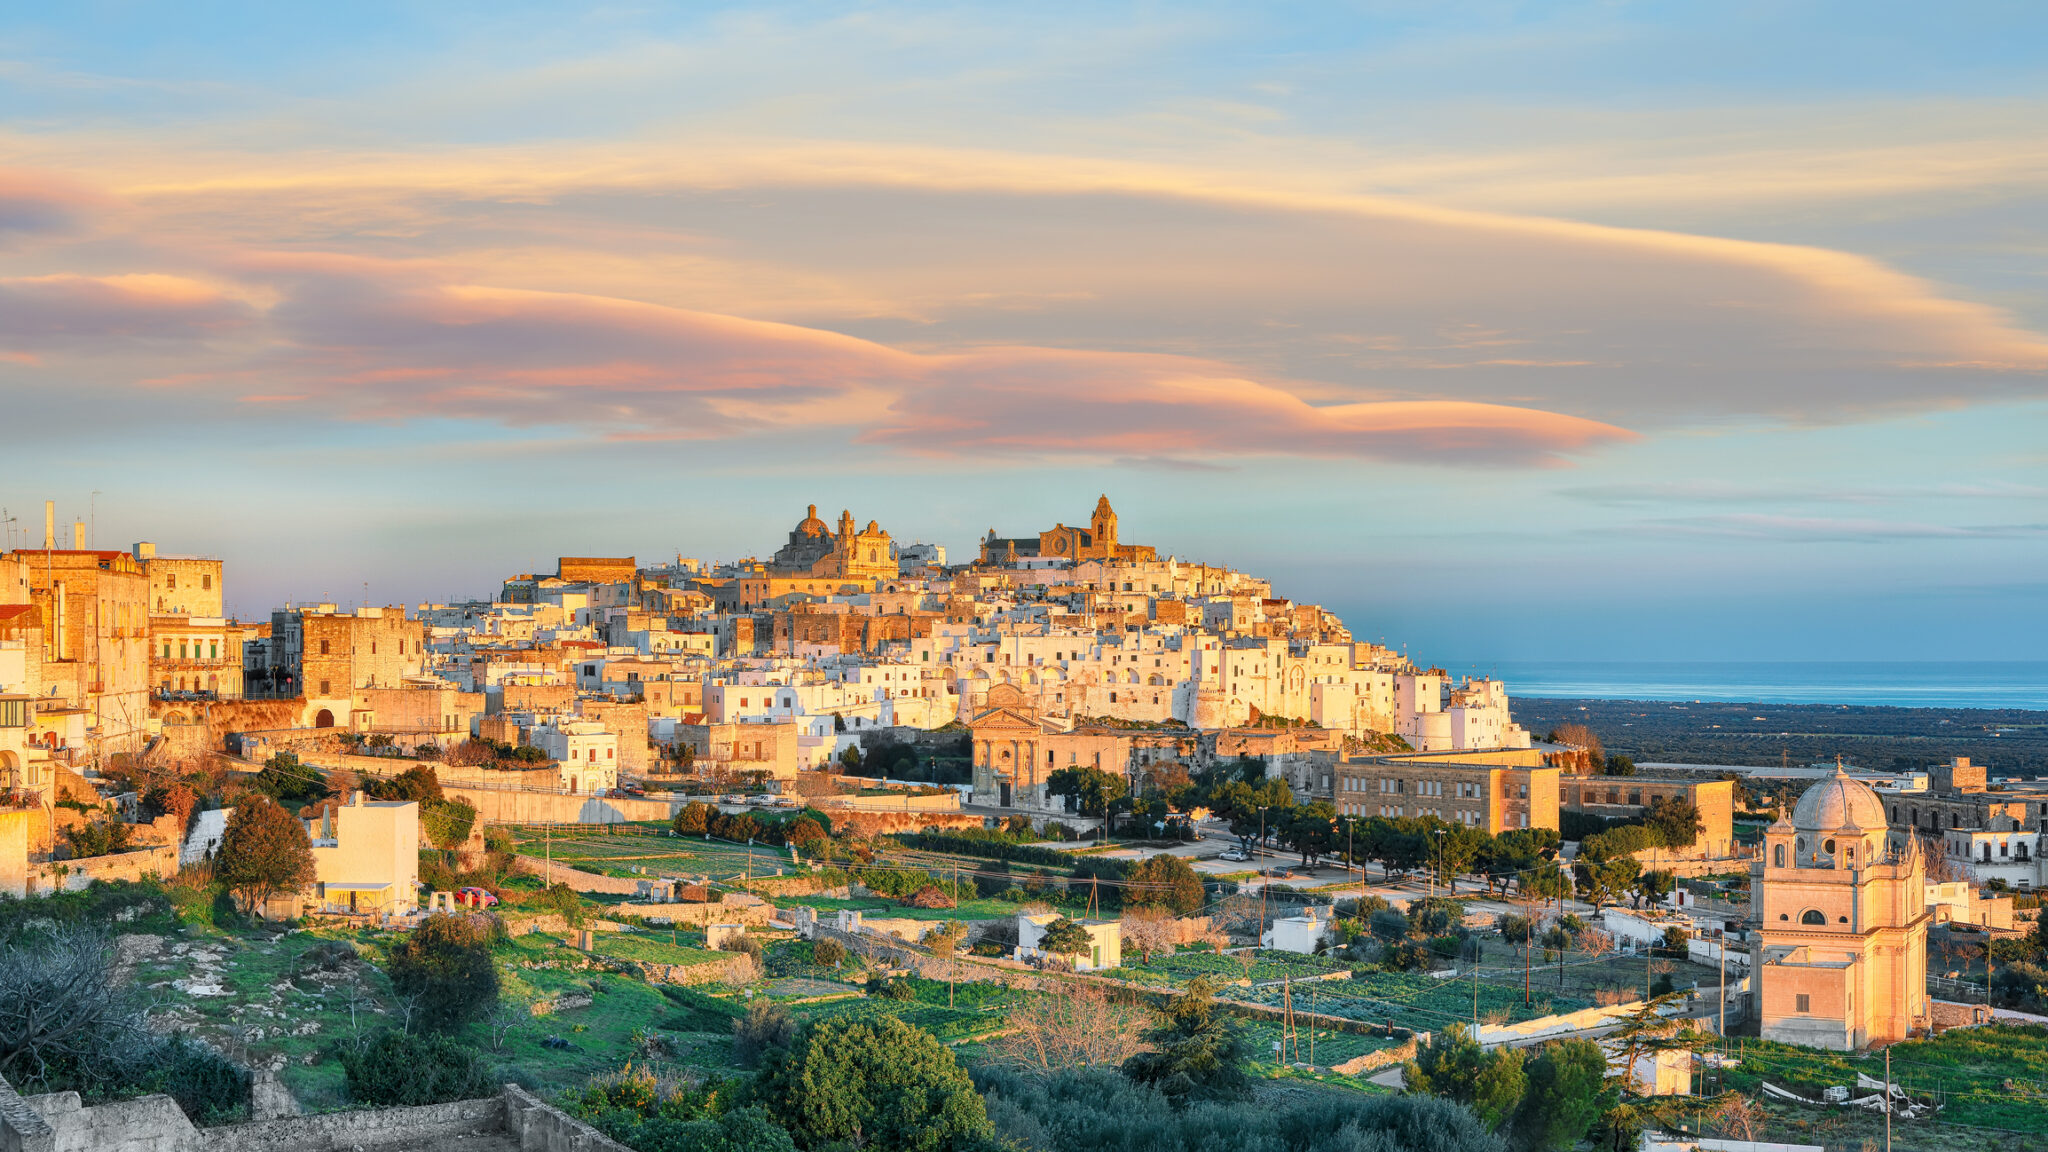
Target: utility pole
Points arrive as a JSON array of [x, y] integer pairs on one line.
[[1887, 1100], [1723, 949]]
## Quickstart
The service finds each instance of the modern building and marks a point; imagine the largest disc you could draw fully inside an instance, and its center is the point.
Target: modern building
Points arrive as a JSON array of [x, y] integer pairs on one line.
[[366, 856], [1631, 797]]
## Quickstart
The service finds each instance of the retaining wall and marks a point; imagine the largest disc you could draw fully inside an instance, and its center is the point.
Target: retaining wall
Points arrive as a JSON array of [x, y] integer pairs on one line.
[[56, 1122]]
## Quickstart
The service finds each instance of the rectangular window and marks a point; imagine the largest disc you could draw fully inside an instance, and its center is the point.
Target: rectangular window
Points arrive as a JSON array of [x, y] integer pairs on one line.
[[324, 690], [1805, 1003]]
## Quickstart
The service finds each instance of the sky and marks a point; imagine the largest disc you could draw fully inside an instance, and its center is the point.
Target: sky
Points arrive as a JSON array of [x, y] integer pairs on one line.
[[1567, 331]]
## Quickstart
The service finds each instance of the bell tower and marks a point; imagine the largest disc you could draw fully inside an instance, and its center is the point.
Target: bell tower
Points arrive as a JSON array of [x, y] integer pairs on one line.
[[1102, 527]]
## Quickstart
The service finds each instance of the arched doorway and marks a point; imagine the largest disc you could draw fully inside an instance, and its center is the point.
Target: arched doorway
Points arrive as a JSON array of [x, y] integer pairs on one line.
[[323, 719]]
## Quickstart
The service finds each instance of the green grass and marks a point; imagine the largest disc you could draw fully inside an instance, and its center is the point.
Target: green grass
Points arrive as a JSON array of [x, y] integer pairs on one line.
[[1995, 1077], [1331, 1047], [1181, 967], [650, 949], [1414, 1001], [878, 906]]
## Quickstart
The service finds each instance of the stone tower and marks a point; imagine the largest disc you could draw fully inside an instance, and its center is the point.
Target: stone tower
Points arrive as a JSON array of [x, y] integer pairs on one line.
[[1102, 528]]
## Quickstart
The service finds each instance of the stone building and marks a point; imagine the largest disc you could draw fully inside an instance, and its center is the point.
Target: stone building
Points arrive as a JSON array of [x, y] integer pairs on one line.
[[1629, 797], [813, 550], [1098, 541], [94, 609], [1993, 835], [325, 655], [1496, 791], [1839, 923]]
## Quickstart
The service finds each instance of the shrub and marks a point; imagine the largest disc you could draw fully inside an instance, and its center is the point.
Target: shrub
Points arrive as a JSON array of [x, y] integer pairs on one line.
[[1094, 1108], [399, 1068], [446, 964], [97, 838], [879, 1082], [447, 822], [828, 953], [209, 1087], [766, 1027]]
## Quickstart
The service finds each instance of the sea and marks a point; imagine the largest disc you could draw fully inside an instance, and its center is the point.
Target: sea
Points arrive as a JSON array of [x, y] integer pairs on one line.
[[2019, 684]]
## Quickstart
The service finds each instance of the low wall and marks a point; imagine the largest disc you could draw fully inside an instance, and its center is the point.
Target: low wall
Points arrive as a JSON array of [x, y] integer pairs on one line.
[[880, 823], [949, 802], [509, 806], [57, 1123], [77, 875], [344, 1131]]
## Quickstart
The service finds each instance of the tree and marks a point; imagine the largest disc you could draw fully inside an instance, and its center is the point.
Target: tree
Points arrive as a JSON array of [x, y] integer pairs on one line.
[[1567, 1092], [800, 831], [418, 783], [1165, 881], [694, 818], [1677, 822], [1195, 1054], [1076, 1029], [1093, 789], [263, 852], [446, 964], [1448, 1065], [286, 779], [1618, 765], [1515, 928], [1310, 829], [1594, 754], [1653, 886], [878, 1083], [850, 760], [1065, 937], [1148, 930], [1498, 1090]]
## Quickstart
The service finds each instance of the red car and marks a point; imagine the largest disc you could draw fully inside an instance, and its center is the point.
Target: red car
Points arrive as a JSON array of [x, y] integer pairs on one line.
[[475, 897]]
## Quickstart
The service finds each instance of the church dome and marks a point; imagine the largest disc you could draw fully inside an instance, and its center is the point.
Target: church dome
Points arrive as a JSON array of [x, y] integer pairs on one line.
[[1839, 802], [811, 525]]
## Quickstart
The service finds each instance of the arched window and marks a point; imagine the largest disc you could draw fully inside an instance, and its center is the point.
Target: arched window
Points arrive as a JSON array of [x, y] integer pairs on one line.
[[1813, 916], [1778, 857]]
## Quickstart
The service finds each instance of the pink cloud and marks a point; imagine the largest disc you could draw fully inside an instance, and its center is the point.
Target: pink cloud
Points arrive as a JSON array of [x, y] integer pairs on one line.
[[399, 341], [100, 311], [32, 203]]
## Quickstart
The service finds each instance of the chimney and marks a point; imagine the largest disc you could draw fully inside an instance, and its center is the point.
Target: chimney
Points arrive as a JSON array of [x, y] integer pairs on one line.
[[78, 535], [145, 551], [49, 525]]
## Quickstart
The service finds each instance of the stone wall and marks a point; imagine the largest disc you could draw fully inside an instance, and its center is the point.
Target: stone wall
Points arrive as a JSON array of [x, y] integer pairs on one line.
[[57, 1123], [77, 875], [504, 806]]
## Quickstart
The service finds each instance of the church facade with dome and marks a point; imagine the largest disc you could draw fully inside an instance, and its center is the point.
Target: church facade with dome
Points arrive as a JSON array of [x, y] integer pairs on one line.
[[1098, 541], [819, 552], [1839, 918]]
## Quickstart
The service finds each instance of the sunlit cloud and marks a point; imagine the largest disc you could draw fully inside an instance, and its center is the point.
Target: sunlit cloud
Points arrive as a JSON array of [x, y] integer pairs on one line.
[[94, 314]]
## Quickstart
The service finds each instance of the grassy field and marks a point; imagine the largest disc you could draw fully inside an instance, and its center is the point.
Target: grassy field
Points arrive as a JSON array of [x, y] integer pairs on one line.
[[1264, 964], [1583, 976], [653, 850], [1989, 1077], [1414, 1001]]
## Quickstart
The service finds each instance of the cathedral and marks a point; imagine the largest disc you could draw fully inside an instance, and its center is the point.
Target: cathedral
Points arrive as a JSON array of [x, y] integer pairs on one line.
[[815, 550], [1839, 913], [1096, 542]]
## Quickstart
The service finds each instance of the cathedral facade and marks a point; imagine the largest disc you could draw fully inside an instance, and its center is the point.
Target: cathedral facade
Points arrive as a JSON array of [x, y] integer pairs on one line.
[[1098, 541], [818, 552]]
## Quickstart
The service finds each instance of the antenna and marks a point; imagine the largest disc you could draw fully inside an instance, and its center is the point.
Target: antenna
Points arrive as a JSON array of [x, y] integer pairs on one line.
[[7, 523]]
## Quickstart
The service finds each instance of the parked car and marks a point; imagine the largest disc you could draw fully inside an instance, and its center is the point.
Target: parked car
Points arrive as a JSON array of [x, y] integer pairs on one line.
[[1235, 854], [475, 897], [632, 790]]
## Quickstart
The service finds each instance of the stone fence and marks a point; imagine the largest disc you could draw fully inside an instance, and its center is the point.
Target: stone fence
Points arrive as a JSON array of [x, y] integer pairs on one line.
[[76, 875], [58, 1122]]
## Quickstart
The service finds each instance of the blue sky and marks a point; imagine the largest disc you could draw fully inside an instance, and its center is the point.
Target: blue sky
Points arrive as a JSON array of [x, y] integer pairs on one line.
[[1569, 331]]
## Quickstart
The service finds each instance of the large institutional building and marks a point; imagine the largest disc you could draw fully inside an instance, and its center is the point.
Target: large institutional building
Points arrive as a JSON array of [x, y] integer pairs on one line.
[[1840, 918]]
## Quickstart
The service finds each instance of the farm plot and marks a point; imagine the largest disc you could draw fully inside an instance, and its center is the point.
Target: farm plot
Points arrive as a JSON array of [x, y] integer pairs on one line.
[[652, 851], [1413, 1001]]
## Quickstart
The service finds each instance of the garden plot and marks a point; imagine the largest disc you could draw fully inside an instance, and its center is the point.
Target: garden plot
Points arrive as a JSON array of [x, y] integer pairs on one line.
[[1254, 967], [1413, 1001], [653, 853]]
